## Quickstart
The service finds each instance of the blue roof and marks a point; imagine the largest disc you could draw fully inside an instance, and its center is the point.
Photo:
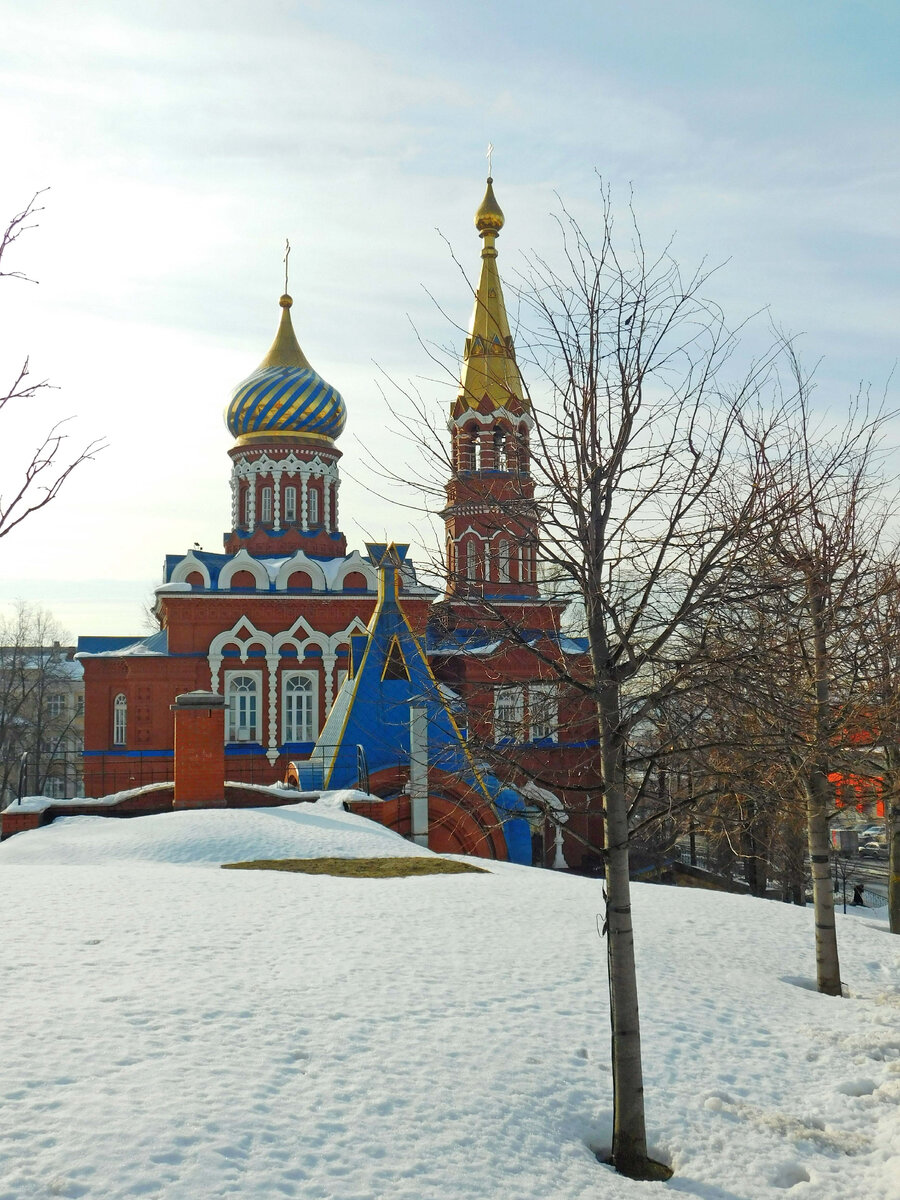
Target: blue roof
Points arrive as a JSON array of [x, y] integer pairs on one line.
[[156, 644]]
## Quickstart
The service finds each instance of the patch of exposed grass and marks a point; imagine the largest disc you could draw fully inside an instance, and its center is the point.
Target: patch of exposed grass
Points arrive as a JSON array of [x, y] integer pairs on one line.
[[361, 868]]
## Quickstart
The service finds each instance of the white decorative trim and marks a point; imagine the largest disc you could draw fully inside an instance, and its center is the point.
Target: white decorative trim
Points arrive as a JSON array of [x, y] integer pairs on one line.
[[353, 562], [242, 561], [300, 562], [189, 563], [491, 418], [299, 637], [272, 661]]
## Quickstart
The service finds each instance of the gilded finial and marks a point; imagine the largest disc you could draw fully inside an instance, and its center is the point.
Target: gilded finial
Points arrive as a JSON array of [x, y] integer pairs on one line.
[[489, 219], [287, 254]]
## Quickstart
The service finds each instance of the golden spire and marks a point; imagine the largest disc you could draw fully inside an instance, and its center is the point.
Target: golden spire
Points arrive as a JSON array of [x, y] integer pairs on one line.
[[489, 361], [285, 350]]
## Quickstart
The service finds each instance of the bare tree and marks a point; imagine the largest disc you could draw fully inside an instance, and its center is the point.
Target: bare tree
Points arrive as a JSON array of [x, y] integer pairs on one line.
[[41, 705], [650, 502], [48, 465], [645, 478], [828, 511]]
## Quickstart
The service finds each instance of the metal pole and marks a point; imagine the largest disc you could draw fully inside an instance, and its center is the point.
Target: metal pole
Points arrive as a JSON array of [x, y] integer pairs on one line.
[[418, 774]]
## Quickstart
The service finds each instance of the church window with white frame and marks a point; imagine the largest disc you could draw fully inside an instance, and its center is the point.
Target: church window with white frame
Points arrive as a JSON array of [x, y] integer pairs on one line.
[[298, 706], [242, 692], [290, 504], [509, 713], [471, 560], [266, 505], [503, 561], [543, 711], [120, 719], [312, 508]]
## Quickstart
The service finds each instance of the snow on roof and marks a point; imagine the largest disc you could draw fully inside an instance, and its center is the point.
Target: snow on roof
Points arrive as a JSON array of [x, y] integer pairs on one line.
[[156, 645]]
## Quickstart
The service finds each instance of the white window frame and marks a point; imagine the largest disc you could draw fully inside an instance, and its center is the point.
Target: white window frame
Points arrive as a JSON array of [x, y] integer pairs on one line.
[[265, 505], [543, 712], [503, 574], [56, 704], [471, 560], [312, 508], [55, 787], [288, 727], [509, 713], [236, 687], [120, 719], [290, 504]]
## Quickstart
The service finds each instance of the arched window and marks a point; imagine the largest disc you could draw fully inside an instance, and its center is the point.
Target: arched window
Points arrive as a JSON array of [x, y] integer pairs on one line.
[[471, 560], [500, 461], [290, 504], [265, 507], [312, 508], [522, 449], [297, 719], [120, 719], [243, 708], [503, 562]]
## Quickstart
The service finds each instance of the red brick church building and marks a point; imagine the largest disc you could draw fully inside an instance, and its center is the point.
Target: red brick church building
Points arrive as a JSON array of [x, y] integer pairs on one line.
[[270, 622]]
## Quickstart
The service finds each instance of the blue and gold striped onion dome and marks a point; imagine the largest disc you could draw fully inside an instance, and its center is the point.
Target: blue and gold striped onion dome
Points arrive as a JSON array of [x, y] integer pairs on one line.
[[285, 397]]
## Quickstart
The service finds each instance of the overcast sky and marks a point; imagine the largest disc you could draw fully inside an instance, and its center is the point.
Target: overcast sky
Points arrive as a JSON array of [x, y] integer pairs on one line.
[[183, 141]]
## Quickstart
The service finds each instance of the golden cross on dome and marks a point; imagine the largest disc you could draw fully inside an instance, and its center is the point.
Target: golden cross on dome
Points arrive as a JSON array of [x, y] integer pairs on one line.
[[490, 157], [287, 251]]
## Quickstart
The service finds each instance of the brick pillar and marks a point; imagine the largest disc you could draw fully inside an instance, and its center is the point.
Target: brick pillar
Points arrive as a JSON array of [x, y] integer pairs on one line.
[[199, 750]]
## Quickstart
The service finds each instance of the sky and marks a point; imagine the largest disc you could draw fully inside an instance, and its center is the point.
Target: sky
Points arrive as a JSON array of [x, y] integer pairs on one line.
[[182, 142]]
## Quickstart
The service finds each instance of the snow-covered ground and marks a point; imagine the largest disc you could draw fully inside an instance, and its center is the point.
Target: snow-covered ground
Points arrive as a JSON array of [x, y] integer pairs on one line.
[[175, 1030]]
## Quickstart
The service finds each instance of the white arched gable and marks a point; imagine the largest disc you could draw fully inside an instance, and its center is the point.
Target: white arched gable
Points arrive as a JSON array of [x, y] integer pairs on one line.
[[188, 564], [470, 531], [300, 635], [342, 637], [300, 562], [243, 562], [245, 641], [354, 562]]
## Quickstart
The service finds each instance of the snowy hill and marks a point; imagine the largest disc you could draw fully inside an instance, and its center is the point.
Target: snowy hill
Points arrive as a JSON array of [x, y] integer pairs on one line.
[[175, 1030]]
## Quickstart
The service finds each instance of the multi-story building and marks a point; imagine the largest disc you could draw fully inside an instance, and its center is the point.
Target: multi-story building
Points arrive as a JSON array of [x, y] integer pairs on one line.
[[41, 722]]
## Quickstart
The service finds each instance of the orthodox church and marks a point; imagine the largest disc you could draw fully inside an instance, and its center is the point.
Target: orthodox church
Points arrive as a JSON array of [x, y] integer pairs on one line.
[[328, 658]]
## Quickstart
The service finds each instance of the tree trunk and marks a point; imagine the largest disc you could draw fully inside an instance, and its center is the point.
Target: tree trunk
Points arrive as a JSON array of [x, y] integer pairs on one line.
[[892, 808], [755, 860], [629, 1149], [828, 970]]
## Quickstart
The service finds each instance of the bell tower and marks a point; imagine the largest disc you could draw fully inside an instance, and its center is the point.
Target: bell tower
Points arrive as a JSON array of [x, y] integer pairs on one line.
[[490, 516]]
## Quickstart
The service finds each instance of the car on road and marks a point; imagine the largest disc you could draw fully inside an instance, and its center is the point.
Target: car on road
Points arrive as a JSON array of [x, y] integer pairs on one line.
[[872, 849]]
